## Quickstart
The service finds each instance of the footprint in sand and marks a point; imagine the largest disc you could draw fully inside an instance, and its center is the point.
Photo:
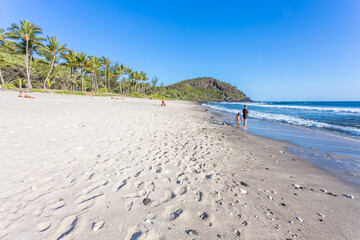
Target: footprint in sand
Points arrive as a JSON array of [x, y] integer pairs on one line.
[[67, 226]]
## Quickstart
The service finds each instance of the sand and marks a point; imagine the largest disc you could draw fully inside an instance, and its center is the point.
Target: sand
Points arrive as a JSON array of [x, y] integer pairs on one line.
[[81, 167]]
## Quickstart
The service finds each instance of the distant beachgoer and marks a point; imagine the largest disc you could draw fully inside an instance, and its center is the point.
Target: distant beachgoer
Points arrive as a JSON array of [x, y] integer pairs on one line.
[[24, 95], [238, 119], [1, 88], [117, 98], [245, 116], [206, 110], [163, 102]]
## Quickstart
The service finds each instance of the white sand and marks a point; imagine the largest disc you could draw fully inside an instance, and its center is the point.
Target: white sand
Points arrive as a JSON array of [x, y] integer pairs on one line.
[[75, 167]]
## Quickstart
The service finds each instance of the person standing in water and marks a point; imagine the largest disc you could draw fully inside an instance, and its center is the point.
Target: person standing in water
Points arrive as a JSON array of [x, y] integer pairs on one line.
[[238, 119], [245, 116]]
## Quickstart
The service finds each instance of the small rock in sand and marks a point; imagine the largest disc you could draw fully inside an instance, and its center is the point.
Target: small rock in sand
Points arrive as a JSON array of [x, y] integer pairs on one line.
[[299, 219], [242, 191], [269, 197]]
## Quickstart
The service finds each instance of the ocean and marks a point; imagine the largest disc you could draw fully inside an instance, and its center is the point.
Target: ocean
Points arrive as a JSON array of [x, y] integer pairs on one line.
[[322, 129]]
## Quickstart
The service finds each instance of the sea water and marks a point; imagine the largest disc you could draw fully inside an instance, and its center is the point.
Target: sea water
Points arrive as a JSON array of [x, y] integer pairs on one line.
[[321, 128]]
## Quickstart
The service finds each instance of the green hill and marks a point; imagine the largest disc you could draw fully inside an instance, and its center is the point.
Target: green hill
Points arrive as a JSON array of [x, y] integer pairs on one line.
[[203, 89]]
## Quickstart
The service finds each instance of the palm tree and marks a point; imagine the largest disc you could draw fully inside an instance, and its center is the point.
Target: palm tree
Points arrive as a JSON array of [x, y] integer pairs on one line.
[[49, 58], [106, 63], [53, 48], [93, 66], [71, 59], [143, 77], [82, 61], [28, 33], [119, 70]]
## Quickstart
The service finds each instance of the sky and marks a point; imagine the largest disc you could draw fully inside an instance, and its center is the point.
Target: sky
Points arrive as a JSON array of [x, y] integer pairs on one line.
[[289, 50]]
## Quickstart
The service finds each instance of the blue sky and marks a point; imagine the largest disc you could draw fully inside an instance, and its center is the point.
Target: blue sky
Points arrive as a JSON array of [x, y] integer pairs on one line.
[[271, 50]]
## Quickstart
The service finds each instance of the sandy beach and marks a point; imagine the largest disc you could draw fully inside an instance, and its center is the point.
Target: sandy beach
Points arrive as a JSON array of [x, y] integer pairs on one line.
[[81, 167]]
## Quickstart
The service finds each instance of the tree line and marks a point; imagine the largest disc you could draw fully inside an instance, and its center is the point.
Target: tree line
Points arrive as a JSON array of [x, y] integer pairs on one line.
[[60, 67]]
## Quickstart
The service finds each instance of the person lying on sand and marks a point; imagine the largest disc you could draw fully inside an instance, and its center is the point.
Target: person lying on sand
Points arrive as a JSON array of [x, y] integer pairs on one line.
[[117, 98], [24, 95], [163, 102], [238, 119]]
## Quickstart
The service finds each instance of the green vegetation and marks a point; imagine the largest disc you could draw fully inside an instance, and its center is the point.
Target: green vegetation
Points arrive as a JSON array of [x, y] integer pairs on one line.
[[28, 60], [47, 63], [201, 89]]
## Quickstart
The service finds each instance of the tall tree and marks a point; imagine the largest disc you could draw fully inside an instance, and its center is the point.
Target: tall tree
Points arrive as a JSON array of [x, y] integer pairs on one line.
[[53, 48], [154, 82], [106, 63], [28, 33], [82, 61], [6, 44], [71, 61], [93, 66]]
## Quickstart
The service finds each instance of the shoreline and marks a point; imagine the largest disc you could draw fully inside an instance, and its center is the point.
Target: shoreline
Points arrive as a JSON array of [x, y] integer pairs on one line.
[[92, 168], [302, 141]]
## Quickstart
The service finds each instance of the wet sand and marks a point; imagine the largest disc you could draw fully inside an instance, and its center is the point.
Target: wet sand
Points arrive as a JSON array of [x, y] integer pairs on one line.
[[79, 167]]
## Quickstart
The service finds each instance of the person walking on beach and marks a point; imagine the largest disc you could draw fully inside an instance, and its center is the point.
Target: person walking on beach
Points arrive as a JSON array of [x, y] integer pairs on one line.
[[238, 119], [245, 116]]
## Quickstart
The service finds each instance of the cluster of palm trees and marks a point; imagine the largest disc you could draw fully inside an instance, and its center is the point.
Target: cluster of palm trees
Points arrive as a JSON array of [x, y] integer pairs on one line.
[[26, 39]]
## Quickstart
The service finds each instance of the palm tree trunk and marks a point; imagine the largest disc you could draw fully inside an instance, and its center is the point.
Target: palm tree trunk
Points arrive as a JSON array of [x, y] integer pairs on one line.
[[2, 79], [82, 80], [27, 64], [30, 67], [51, 67]]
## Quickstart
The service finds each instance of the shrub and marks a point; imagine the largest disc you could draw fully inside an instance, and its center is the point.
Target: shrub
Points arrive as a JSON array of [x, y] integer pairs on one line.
[[70, 92], [102, 90], [135, 94], [9, 86]]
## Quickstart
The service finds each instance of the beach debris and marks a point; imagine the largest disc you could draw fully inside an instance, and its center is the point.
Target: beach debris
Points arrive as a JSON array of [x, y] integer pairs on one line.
[[224, 124], [283, 204], [33, 188], [280, 151], [97, 225], [324, 190], [299, 219], [349, 196], [146, 201], [243, 191], [269, 197], [244, 184], [192, 232], [321, 215]]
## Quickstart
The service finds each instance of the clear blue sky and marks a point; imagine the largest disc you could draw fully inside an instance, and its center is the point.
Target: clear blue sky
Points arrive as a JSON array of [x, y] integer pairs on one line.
[[272, 50]]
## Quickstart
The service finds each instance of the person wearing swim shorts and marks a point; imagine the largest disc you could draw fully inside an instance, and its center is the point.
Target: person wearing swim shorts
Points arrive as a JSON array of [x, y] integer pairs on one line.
[[238, 119], [245, 116]]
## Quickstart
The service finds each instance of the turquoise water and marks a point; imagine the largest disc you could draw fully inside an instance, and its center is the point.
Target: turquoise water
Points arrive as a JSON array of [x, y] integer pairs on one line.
[[319, 128]]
